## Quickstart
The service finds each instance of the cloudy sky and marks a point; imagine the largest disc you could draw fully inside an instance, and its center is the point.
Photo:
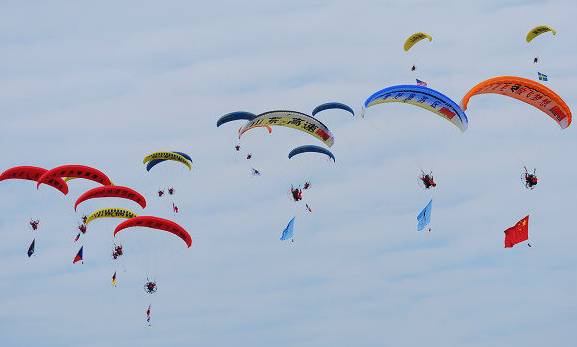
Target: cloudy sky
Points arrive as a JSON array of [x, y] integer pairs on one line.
[[103, 84]]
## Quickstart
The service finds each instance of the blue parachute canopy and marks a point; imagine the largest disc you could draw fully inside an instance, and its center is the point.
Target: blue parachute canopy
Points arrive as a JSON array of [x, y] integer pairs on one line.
[[424, 218], [239, 115], [332, 106], [423, 97], [153, 162], [288, 231], [310, 149]]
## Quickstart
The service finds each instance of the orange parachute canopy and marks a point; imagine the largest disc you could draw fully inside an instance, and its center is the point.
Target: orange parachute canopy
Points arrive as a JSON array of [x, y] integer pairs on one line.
[[528, 91]]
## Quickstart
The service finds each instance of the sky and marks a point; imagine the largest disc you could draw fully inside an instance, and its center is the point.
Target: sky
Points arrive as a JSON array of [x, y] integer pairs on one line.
[[105, 83]]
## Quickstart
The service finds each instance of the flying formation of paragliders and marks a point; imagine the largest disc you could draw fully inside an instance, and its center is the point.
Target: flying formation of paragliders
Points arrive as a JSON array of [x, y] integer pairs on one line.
[[525, 90], [58, 178]]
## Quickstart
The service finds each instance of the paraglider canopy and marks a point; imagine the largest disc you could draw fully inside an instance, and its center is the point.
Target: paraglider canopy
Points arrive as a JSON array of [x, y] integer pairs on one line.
[[311, 149], [414, 38], [156, 223], [154, 162], [423, 97], [33, 173], [291, 119], [528, 91], [332, 106], [538, 30], [77, 171], [112, 192], [113, 212], [173, 156], [233, 116]]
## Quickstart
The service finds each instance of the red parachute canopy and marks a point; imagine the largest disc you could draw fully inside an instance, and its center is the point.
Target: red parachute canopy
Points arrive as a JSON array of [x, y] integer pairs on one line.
[[112, 192], [33, 173], [76, 171], [156, 223]]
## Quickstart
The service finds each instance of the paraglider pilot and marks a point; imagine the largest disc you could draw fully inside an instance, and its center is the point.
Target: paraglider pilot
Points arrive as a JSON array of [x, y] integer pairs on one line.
[[413, 68], [160, 193], [531, 179], [255, 172], [171, 191], [117, 251], [150, 287], [428, 180], [34, 224], [249, 156], [237, 147], [82, 228], [297, 194], [535, 60], [307, 185]]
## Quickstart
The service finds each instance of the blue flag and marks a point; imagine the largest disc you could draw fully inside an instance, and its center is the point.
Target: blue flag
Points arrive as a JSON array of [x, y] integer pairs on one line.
[[424, 218], [288, 231]]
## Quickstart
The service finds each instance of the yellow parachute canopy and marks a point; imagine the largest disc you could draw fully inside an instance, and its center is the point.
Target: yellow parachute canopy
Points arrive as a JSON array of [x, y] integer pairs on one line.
[[115, 212], [538, 30], [413, 39], [167, 156]]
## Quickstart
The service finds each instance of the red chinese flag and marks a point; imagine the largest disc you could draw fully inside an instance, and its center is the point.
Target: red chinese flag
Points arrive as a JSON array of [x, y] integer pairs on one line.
[[517, 233]]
